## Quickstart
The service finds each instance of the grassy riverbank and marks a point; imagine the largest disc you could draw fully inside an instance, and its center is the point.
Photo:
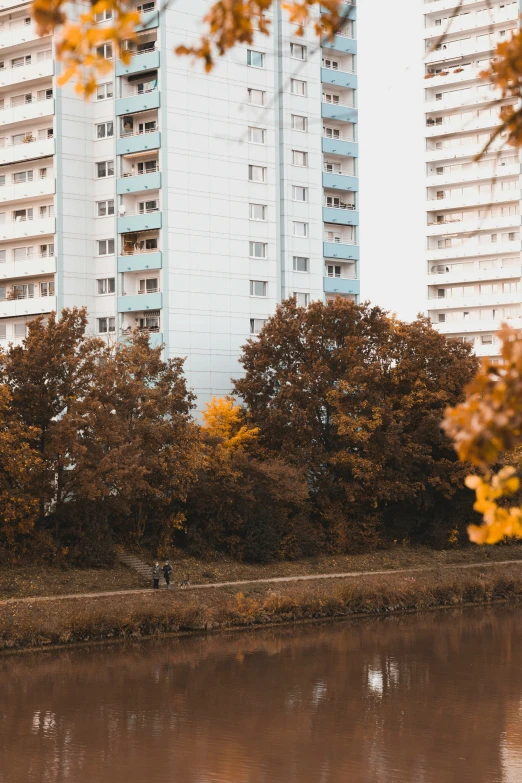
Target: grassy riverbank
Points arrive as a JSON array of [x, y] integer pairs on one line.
[[37, 580], [68, 621]]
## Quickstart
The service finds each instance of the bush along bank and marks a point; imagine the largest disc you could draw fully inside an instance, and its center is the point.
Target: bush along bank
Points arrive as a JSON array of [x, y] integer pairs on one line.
[[30, 625]]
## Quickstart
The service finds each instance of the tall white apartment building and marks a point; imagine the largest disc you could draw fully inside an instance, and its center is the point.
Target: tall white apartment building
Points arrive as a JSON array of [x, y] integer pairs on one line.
[[473, 207], [184, 204]]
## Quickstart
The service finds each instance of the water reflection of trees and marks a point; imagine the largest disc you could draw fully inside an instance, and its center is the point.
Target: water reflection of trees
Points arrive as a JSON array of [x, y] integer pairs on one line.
[[420, 699]]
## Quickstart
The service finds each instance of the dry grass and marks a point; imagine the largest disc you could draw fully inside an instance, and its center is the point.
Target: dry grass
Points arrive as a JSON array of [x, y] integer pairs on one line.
[[69, 621], [37, 580]]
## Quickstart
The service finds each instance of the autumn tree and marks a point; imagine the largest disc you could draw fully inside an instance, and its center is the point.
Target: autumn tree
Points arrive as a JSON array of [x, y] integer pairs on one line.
[[20, 466], [251, 505], [355, 398], [111, 426]]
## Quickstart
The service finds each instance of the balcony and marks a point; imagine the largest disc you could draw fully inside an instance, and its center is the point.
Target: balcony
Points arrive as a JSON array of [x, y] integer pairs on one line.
[[469, 273], [472, 199], [342, 216], [28, 111], [149, 20], [339, 78], [338, 111], [473, 249], [144, 61], [135, 101], [341, 250], [341, 43], [458, 126], [20, 229], [139, 303], [26, 73], [473, 225], [341, 285], [139, 262], [138, 183], [472, 21], [15, 32], [27, 150], [28, 190], [138, 142], [470, 326], [30, 267], [474, 175], [473, 300], [34, 306], [340, 147], [340, 181], [139, 221]]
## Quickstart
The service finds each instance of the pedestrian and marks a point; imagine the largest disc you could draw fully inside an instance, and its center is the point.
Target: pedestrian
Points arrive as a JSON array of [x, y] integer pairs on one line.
[[167, 570], [156, 575]]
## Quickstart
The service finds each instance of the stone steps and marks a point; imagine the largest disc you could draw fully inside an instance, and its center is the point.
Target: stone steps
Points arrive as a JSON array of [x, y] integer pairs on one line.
[[136, 564]]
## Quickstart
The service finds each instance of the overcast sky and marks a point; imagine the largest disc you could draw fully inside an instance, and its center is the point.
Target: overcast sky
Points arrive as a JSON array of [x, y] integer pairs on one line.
[[391, 149]]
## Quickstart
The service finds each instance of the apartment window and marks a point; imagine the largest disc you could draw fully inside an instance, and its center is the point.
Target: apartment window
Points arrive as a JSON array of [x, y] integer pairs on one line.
[[255, 59], [493, 237], [299, 193], [331, 98], [438, 96], [45, 55], [146, 8], [333, 270], [47, 289], [18, 62], [300, 264], [46, 251], [297, 51], [2, 180], [299, 123], [103, 16], [257, 211], [257, 249], [105, 169], [298, 87], [258, 288], [256, 135], [486, 339], [45, 133], [439, 170], [257, 173], [151, 323], [104, 130], [105, 247], [256, 97], [21, 100], [332, 133], [20, 329], [442, 318], [42, 173], [105, 51], [465, 315], [46, 211], [22, 253], [3, 332], [104, 208], [300, 229], [3, 256], [146, 167], [301, 299], [44, 95], [299, 158], [145, 207], [106, 285], [148, 285], [22, 176], [511, 236], [104, 91], [256, 325], [106, 325], [332, 168], [441, 293]]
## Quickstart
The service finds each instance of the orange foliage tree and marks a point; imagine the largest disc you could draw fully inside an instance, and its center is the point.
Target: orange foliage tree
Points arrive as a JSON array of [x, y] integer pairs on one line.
[[227, 23]]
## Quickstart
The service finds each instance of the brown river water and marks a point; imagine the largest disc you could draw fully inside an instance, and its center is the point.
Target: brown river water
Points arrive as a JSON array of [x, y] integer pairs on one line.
[[432, 698]]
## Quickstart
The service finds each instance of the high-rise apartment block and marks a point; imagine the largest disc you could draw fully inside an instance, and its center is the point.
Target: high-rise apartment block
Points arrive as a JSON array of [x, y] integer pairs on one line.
[[473, 207], [176, 202]]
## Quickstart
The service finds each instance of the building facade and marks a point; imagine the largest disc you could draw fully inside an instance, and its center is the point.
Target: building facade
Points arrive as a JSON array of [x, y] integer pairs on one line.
[[176, 202], [473, 207]]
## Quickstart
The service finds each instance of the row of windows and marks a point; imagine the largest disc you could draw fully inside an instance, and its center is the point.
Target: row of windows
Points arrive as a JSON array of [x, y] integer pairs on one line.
[[26, 291], [257, 59], [28, 97], [259, 288], [20, 177]]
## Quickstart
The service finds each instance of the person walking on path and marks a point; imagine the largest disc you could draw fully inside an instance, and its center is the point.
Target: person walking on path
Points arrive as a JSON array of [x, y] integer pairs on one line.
[[167, 570], [156, 575]]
